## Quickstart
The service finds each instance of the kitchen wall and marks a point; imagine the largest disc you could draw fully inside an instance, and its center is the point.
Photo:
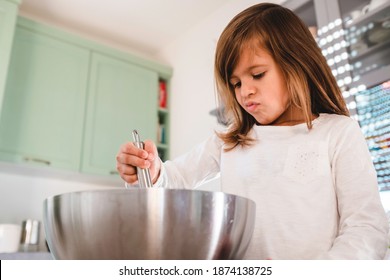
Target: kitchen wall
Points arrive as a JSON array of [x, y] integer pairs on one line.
[[23, 190]]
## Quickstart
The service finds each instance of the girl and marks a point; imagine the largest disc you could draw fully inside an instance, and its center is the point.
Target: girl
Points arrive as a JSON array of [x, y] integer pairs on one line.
[[290, 146]]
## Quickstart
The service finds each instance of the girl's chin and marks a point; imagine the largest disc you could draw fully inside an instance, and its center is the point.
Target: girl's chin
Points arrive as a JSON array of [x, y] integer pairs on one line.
[[262, 121], [266, 121]]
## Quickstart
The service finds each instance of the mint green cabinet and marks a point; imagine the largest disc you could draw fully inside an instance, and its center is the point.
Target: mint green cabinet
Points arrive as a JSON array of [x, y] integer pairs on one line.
[[70, 103], [44, 103], [8, 12], [121, 97]]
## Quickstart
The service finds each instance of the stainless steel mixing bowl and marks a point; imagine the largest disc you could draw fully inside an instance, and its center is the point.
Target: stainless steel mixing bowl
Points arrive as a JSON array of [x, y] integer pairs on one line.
[[148, 224]]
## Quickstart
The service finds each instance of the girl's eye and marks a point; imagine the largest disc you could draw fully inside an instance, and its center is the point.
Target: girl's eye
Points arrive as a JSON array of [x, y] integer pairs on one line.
[[258, 76], [236, 85]]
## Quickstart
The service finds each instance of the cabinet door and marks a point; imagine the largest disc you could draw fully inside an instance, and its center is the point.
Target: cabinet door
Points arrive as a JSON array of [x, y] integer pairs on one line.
[[122, 97], [44, 103], [8, 12]]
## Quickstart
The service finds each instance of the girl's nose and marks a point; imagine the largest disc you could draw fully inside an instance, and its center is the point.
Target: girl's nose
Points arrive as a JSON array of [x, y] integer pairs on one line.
[[247, 88]]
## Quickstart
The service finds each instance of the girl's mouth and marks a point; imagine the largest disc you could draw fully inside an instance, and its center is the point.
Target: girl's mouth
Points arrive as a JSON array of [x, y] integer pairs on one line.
[[251, 106]]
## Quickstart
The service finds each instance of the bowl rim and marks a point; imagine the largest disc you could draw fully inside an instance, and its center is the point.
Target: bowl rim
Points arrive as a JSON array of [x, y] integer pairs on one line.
[[169, 190]]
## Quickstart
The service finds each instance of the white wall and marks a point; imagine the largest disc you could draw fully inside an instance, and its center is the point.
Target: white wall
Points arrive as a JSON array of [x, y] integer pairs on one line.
[[23, 190]]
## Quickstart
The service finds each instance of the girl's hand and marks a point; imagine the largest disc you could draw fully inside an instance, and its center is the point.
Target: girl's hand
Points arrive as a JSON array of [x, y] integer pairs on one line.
[[130, 157]]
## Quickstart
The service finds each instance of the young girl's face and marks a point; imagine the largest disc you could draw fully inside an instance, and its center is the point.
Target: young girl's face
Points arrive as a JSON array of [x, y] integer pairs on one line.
[[260, 88]]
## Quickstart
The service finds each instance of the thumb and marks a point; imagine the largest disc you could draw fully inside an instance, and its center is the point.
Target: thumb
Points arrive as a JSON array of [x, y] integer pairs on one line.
[[151, 149], [154, 159]]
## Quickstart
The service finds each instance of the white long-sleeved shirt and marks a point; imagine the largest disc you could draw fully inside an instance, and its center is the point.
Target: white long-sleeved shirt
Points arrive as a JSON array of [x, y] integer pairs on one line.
[[315, 190]]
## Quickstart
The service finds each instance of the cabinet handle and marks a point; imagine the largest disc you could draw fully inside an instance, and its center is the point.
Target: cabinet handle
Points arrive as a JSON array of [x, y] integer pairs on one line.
[[114, 172], [37, 160]]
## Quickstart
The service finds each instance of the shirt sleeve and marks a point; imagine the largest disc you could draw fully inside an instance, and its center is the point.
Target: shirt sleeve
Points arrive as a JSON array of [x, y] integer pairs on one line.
[[194, 168], [363, 226]]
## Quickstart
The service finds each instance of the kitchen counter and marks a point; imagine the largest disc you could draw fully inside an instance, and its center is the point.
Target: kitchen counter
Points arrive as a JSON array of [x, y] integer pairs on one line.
[[26, 256]]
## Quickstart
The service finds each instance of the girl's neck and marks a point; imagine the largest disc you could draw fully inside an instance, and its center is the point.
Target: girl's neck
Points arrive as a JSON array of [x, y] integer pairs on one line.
[[292, 116]]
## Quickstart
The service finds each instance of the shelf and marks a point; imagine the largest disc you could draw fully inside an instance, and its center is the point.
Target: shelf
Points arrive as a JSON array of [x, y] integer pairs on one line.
[[163, 151], [163, 111], [369, 51], [163, 120], [162, 146], [373, 77], [382, 11]]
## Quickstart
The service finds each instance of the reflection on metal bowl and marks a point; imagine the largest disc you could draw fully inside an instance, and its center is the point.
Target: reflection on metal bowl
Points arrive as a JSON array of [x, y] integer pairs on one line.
[[148, 224]]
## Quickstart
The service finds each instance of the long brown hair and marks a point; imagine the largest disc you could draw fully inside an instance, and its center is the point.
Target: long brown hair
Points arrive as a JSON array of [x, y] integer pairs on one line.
[[309, 79]]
